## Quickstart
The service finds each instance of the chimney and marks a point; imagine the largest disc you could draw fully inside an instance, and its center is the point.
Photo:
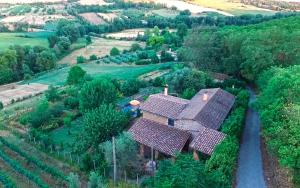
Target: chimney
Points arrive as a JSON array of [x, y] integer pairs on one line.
[[166, 90], [205, 97]]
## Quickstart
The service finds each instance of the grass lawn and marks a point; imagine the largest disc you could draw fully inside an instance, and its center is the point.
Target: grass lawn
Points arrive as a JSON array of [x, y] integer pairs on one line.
[[62, 136], [31, 39], [231, 7], [58, 77]]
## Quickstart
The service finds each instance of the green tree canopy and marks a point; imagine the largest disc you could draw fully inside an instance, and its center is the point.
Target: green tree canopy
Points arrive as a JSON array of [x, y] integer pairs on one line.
[[101, 123], [76, 75], [97, 92]]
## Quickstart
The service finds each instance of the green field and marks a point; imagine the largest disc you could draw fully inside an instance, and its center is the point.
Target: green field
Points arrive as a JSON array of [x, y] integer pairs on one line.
[[23, 39], [58, 77]]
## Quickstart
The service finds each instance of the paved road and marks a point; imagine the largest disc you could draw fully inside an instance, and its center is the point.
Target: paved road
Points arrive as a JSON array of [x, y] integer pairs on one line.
[[250, 167]]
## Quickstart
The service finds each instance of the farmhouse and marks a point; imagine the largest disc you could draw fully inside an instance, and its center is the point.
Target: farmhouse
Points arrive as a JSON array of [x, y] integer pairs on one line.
[[170, 124]]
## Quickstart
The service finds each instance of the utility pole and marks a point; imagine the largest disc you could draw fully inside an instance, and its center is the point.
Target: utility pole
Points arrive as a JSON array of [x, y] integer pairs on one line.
[[114, 160]]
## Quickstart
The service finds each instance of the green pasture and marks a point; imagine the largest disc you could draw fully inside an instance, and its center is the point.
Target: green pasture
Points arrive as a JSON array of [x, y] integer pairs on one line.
[[23, 39], [58, 77]]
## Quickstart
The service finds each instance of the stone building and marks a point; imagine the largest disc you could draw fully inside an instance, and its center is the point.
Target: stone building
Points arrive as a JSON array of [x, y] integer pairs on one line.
[[170, 124]]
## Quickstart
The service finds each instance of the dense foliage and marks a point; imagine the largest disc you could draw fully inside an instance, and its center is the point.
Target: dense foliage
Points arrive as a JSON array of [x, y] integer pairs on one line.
[[101, 124], [22, 62], [245, 51], [97, 92], [279, 106]]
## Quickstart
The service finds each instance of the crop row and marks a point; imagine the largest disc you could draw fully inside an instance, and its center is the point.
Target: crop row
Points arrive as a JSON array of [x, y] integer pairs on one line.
[[53, 171], [6, 180], [15, 165]]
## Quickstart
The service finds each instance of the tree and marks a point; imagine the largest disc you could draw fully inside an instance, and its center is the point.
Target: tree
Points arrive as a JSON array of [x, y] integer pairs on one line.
[[52, 94], [130, 87], [97, 92], [114, 51], [96, 181], [73, 180], [175, 174], [93, 57], [1, 105], [76, 75], [135, 47], [182, 30], [101, 123], [80, 59], [46, 60], [126, 160]]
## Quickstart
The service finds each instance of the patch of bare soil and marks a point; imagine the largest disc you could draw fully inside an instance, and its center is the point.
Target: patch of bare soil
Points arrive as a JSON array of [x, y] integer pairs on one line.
[[275, 175]]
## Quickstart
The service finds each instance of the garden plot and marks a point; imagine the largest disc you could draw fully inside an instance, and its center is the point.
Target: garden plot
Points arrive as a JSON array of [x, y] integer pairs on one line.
[[92, 18], [128, 34], [100, 47], [15, 92], [34, 19]]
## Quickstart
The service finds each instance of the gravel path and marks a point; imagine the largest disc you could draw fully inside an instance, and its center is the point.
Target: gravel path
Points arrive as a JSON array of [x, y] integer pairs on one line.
[[250, 167]]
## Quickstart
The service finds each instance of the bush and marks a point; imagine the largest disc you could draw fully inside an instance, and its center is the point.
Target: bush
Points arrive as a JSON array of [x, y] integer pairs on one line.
[[71, 102], [76, 75], [135, 47], [114, 51], [52, 94], [81, 59], [143, 62], [93, 57]]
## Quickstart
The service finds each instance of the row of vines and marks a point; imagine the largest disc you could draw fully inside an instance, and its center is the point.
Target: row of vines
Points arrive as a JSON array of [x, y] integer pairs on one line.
[[6, 181], [53, 171]]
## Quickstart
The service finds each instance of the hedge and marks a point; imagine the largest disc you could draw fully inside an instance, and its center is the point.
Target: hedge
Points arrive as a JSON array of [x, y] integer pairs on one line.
[[222, 163]]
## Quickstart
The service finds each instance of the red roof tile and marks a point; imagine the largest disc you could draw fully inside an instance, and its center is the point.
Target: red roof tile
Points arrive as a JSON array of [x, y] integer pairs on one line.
[[161, 137]]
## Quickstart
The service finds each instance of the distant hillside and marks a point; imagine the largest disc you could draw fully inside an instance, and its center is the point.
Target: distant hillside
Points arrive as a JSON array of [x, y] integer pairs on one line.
[[277, 5]]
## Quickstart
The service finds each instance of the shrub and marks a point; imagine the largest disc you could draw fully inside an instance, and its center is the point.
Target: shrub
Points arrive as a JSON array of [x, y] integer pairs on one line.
[[81, 59], [52, 94], [93, 57], [71, 102], [143, 62], [114, 51], [135, 47], [76, 75]]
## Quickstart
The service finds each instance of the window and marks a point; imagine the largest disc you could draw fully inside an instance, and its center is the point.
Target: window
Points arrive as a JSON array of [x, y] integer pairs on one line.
[[171, 122]]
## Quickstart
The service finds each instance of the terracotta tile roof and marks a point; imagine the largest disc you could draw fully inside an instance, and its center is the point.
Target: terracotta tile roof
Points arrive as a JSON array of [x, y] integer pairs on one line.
[[163, 138], [206, 140], [212, 112], [167, 106]]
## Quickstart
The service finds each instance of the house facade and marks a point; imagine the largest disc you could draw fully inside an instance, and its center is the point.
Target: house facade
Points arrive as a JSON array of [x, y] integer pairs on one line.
[[171, 124]]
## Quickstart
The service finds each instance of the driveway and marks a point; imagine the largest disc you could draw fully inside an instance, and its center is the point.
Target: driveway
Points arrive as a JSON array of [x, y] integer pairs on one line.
[[250, 166]]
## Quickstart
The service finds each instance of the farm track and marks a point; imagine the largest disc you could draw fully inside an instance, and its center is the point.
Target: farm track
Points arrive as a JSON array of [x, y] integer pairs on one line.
[[20, 180], [47, 178]]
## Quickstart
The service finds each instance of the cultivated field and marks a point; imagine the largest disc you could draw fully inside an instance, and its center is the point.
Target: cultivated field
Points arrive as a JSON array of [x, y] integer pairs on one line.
[[231, 7], [33, 19], [129, 33], [93, 18], [100, 47], [15, 92], [58, 77], [34, 39]]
